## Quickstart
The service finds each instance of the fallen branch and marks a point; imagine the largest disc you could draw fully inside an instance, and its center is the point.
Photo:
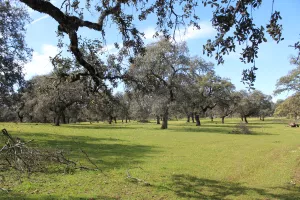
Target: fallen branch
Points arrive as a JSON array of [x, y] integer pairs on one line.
[[18, 155], [136, 179]]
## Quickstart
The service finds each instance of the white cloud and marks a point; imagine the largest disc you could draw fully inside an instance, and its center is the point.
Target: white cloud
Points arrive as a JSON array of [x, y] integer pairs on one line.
[[206, 30], [40, 63]]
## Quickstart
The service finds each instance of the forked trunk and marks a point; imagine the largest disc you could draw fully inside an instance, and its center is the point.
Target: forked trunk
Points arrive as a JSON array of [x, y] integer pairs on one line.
[[193, 118], [246, 120]]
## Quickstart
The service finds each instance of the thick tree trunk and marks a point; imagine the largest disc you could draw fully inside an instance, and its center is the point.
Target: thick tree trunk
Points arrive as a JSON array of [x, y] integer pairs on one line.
[[20, 117], [223, 120], [157, 119], [63, 118], [57, 120], [165, 119], [110, 119], [188, 118], [197, 118], [193, 118], [246, 120]]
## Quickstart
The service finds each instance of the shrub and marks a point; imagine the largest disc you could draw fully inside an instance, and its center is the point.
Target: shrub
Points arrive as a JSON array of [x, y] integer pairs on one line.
[[241, 128]]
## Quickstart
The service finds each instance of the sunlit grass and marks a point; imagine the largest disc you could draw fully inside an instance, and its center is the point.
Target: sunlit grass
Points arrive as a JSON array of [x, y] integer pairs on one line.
[[183, 162]]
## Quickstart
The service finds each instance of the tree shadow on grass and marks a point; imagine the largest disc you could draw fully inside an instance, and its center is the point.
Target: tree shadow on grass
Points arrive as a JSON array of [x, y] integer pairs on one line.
[[191, 187], [107, 153], [18, 196], [99, 126], [215, 130]]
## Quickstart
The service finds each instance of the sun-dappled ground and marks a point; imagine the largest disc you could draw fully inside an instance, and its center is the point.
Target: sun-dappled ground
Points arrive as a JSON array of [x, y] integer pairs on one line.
[[183, 162]]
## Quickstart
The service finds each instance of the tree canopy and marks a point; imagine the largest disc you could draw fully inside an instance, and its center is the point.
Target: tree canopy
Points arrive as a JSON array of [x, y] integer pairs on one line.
[[233, 21], [14, 52]]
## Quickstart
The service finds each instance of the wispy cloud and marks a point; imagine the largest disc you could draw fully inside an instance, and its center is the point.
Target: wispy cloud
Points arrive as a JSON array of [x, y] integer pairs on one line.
[[39, 19]]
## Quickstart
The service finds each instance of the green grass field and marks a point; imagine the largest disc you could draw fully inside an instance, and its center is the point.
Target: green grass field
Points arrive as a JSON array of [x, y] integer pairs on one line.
[[183, 162]]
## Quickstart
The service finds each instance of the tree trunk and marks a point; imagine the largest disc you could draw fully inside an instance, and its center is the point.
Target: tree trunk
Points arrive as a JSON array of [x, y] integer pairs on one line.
[[263, 118], [125, 119], [188, 118], [122, 120], [45, 120], [57, 119], [110, 119], [260, 118], [193, 118], [242, 118], [165, 119], [157, 119], [246, 120], [197, 118], [20, 117], [223, 120], [115, 119], [211, 118], [63, 118]]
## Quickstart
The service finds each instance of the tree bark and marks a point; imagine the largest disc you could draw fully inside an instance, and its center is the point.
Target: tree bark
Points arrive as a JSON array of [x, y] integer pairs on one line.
[[57, 120], [188, 118], [193, 118], [20, 117], [115, 119], [242, 118], [157, 119], [223, 120], [197, 118], [110, 119], [211, 118], [165, 119], [63, 118], [263, 118], [125, 119], [246, 120]]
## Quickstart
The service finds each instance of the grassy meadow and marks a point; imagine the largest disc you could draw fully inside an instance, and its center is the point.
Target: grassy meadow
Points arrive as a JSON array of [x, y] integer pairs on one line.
[[183, 162]]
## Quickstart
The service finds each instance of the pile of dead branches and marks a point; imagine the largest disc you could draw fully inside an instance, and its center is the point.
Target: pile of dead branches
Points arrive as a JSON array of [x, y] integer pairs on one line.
[[17, 154]]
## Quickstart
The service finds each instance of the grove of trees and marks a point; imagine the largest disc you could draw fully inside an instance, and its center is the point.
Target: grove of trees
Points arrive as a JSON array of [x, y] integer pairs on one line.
[[161, 79]]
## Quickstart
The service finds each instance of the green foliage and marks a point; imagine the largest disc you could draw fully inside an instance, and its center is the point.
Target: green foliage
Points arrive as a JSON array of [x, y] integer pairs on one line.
[[14, 52], [233, 21], [291, 81], [289, 107]]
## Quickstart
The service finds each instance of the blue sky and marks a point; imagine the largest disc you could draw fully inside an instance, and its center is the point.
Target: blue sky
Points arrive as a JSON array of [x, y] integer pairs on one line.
[[273, 61]]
